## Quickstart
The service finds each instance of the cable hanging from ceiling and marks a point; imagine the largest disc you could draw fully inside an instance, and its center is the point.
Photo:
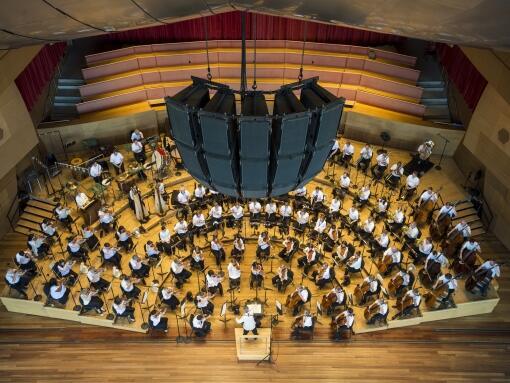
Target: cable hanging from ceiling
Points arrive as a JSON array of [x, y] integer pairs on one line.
[[300, 76], [209, 75], [254, 86]]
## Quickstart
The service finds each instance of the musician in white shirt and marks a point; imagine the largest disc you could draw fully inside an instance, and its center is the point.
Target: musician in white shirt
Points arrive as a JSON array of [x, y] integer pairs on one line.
[[237, 213], [355, 263], [396, 172], [300, 193], [217, 250], [95, 172], [309, 258], [181, 229], [353, 218], [412, 233], [285, 214], [200, 192], [469, 246], [90, 301], [317, 198], [203, 303], [345, 181], [216, 216], [128, 288], [237, 248], [138, 268], [412, 183], [302, 218], [122, 308], [447, 210], [198, 222], [136, 135], [323, 275], [382, 164], [157, 321], [365, 157], [320, 226], [111, 255], [270, 210], [64, 269], [381, 208], [48, 228], [62, 214], [363, 196], [95, 279], [446, 279], [263, 246], [248, 321], [396, 221], [151, 251], [334, 208], [180, 273], [382, 312], [117, 160], [57, 291], [348, 315], [124, 239], [165, 240], [138, 150], [234, 275], [382, 241], [395, 257], [255, 208], [426, 196], [213, 283], [420, 253], [200, 326], [106, 219], [347, 153], [334, 149], [415, 296], [18, 280], [183, 197], [168, 297], [463, 228], [25, 261], [367, 229], [76, 250]]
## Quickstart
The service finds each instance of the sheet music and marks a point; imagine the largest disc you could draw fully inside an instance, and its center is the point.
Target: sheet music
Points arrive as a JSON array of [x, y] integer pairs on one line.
[[279, 308], [145, 296], [223, 311], [183, 309], [255, 308]]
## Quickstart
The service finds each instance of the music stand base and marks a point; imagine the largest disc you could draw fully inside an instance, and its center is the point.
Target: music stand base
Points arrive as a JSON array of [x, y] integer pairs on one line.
[[181, 339], [144, 326], [438, 167], [110, 316], [77, 308], [37, 297]]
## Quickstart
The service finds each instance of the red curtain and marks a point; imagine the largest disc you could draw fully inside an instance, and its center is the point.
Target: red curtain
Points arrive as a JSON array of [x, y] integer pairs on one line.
[[39, 72], [227, 26], [469, 82]]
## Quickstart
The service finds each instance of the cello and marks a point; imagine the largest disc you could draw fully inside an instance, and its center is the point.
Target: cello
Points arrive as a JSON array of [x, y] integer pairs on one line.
[[435, 298], [293, 299], [429, 273], [361, 290], [394, 284], [466, 262]]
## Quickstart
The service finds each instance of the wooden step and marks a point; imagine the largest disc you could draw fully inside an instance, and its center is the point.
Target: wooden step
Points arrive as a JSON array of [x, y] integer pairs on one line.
[[478, 231], [466, 212], [31, 217], [23, 230], [464, 205], [469, 219], [38, 212], [29, 224], [41, 205]]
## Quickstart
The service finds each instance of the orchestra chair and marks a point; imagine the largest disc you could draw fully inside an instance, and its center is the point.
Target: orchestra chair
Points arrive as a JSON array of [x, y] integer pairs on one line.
[[18, 289], [301, 334]]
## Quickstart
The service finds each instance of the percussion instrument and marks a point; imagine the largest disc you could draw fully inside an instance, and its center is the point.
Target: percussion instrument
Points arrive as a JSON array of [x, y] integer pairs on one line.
[[78, 172]]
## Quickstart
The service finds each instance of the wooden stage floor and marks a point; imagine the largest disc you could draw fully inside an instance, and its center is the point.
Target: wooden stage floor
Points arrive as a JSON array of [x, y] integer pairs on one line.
[[474, 348]]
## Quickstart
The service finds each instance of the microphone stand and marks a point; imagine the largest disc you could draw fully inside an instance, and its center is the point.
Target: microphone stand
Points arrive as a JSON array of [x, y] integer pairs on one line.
[[446, 141]]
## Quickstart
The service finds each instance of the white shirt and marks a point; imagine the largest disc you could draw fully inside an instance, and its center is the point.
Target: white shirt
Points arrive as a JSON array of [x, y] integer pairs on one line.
[[412, 181], [416, 297], [93, 275], [452, 283], [13, 276], [405, 277], [425, 247], [124, 236], [136, 135], [137, 147], [254, 207], [412, 232], [109, 252], [119, 308], [212, 280], [202, 302], [303, 294], [348, 150], [383, 160], [345, 181], [364, 194], [151, 250], [355, 262], [177, 268], [135, 264], [82, 200], [395, 255], [95, 170], [353, 214], [57, 292], [300, 192], [320, 225], [197, 323], [470, 246], [349, 319], [233, 272], [495, 270], [326, 273], [64, 270], [339, 296], [383, 240], [366, 152], [438, 257], [216, 212], [342, 252], [270, 208], [86, 297], [285, 211], [239, 244], [164, 236], [183, 197], [426, 196], [105, 217], [398, 217], [307, 321], [73, 246], [464, 228], [62, 212], [237, 211], [450, 210], [317, 196], [22, 258], [396, 171], [156, 318], [48, 229], [116, 159], [200, 192], [262, 242], [198, 220], [215, 246], [127, 285], [166, 294], [181, 227], [383, 308], [369, 226], [382, 205], [302, 217], [334, 206]]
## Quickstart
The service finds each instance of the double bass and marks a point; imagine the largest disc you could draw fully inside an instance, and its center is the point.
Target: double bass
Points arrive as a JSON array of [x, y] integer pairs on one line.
[[479, 279], [403, 304], [422, 212], [371, 310], [452, 243], [436, 297], [466, 262], [429, 273], [439, 227]]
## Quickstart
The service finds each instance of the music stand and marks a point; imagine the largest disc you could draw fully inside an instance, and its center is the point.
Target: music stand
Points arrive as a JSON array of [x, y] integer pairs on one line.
[[223, 315], [233, 300]]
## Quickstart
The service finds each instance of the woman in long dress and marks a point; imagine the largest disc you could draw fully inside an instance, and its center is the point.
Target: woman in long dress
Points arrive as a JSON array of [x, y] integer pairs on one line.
[[141, 211], [159, 198]]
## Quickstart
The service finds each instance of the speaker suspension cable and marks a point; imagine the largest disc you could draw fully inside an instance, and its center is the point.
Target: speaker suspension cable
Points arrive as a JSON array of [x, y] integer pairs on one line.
[[300, 76], [254, 86], [209, 75]]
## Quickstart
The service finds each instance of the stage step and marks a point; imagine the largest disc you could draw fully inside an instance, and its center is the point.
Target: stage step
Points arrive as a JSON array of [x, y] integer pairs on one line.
[[38, 212], [23, 230], [42, 205], [32, 217], [29, 225]]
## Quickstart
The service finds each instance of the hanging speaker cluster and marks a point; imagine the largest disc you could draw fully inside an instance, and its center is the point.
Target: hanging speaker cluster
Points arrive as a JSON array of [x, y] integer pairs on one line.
[[254, 154]]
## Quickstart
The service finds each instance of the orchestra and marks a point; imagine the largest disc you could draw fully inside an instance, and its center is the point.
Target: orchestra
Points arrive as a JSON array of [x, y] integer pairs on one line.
[[333, 238]]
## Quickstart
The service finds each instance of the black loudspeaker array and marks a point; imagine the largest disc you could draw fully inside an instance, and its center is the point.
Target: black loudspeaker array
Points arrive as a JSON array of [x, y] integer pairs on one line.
[[254, 154]]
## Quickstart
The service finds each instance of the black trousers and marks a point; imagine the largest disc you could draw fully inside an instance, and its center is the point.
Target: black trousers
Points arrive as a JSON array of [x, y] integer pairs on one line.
[[95, 303], [162, 325], [254, 331], [219, 255], [202, 331]]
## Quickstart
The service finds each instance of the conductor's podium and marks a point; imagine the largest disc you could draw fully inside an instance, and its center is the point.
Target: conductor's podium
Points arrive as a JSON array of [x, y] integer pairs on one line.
[[253, 347]]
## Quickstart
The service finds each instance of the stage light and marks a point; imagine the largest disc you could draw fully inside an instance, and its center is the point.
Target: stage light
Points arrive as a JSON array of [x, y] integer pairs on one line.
[[254, 154]]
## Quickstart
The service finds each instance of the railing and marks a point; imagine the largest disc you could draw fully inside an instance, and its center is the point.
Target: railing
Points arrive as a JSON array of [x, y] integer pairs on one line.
[[13, 212], [484, 212]]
